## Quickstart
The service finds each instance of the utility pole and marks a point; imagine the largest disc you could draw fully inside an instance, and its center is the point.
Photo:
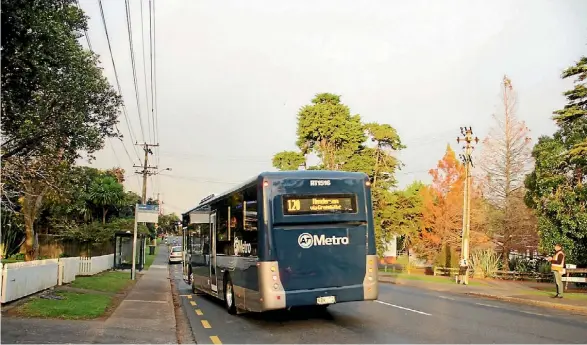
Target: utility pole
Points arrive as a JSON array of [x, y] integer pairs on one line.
[[467, 159], [145, 172]]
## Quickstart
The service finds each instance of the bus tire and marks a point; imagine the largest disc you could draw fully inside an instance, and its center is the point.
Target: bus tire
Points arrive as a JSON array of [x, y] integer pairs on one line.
[[229, 299]]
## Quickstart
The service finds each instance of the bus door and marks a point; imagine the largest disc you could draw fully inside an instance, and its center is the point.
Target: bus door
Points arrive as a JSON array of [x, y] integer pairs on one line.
[[213, 277]]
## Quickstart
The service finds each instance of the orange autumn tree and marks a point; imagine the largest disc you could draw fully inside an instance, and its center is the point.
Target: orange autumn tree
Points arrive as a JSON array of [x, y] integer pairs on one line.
[[442, 218]]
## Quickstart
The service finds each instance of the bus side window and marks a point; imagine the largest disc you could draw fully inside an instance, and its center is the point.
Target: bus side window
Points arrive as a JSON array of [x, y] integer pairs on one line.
[[250, 234]]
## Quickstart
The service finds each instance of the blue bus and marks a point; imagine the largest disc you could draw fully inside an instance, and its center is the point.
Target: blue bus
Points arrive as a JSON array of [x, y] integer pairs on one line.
[[284, 239]]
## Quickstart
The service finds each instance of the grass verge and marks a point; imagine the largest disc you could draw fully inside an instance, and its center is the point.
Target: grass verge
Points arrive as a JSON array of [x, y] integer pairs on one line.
[[73, 306], [99, 296], [107, 282], [150, 258], [552, 291]]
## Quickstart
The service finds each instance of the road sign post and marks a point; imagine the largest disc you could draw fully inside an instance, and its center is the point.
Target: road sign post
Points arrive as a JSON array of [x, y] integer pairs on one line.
[[143, 214]]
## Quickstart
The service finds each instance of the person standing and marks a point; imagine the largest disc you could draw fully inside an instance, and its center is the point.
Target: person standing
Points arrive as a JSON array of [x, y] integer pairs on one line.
[[557, 266]]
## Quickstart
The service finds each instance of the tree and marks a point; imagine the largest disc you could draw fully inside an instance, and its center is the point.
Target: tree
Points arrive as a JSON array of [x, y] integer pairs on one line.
[[556, 187], [404, 214], [55, 102], [506, 160], [106, 192], [30, 183], [288, 160], [442, 216], [54, 96], [167, 222], [327, 128]]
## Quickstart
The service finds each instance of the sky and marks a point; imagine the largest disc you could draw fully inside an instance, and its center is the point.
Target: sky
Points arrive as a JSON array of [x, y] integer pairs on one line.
[[232, 75]]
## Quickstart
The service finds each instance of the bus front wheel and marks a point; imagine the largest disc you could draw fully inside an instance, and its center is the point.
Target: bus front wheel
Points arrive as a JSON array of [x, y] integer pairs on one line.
[[229, 299]]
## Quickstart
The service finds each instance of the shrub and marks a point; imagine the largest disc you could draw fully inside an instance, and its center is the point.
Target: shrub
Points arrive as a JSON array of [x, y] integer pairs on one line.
[[485, 262]]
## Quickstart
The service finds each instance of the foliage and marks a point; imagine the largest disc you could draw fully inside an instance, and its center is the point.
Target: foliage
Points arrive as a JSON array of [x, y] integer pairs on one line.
[[96, 232], [13, 234], [105, 191], [167, 222], [54, 96], [442, 216], [288, 160], [327, 128], [342, 142], [506, 159], [485, 262], [404, 213], [556, 187]]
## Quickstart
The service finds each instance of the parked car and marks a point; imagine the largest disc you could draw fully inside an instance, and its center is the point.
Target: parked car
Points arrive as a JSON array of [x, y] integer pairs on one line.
[[175, 254]]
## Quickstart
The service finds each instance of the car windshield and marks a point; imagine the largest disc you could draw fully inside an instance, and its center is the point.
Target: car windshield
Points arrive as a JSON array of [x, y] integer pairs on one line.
[[176, 249]]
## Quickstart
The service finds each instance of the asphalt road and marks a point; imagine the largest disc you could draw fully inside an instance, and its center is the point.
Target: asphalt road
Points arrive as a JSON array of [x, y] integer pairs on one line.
[[401, 315]]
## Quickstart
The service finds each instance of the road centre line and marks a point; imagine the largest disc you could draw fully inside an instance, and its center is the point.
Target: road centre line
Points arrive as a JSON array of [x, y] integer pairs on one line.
[[404, 308], [489, 305], [215, 339], [532, 313], [192, 303], [199, 312], [444, 297], [206, 324]]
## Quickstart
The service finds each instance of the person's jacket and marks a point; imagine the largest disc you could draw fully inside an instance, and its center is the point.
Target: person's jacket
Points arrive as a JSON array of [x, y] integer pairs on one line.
[[558, 261]]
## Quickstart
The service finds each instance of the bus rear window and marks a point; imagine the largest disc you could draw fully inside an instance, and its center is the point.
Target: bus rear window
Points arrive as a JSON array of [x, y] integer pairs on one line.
[[319, 204]]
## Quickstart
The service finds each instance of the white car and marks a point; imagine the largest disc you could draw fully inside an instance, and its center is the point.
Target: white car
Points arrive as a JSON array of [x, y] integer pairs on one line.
[[175, 254]]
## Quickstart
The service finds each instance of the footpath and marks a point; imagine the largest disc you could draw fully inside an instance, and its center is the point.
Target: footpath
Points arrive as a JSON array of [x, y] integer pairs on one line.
[[538, 294], [145, 315]]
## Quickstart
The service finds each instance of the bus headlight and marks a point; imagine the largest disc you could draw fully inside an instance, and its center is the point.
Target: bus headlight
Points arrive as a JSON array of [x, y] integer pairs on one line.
[[274, 277], [370, 278], [275, 286]]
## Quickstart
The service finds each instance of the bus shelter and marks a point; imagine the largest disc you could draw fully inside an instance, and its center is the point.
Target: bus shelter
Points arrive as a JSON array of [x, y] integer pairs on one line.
[[123, 250]]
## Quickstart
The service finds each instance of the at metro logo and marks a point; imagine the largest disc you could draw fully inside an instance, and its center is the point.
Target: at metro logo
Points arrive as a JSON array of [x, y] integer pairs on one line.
[[306, 240]]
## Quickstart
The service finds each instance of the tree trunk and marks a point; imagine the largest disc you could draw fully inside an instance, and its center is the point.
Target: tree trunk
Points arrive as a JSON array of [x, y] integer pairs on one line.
[[505, 259], [104, 211], [30, 208]]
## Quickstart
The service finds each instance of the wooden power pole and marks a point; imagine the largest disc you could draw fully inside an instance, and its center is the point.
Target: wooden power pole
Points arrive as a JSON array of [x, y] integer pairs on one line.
[[146, 169], [467, 159]]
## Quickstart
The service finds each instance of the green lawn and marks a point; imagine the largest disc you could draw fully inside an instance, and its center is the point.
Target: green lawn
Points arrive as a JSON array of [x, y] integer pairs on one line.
[[106, 281], [552, 291], [73, 306]]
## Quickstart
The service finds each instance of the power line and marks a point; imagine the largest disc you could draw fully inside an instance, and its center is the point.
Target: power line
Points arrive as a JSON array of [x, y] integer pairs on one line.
[[133, 62], [116, 126], [124, 110], [145, 73]]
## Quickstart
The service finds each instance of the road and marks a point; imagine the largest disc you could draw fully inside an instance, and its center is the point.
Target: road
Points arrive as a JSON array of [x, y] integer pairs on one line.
[[401, 315]]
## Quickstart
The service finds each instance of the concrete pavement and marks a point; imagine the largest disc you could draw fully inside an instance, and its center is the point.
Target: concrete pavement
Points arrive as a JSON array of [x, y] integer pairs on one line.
[[401, 315]]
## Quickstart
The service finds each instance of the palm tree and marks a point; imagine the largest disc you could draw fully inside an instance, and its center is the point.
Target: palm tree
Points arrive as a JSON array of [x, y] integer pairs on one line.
[[105, 192]]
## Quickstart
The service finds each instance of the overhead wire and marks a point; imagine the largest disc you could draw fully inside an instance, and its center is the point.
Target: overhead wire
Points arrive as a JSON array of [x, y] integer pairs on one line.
[[145, 72], [124, 110], [133, 63]]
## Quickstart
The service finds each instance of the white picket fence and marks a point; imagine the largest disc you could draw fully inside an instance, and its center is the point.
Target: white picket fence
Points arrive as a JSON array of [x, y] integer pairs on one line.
[[21, 279]]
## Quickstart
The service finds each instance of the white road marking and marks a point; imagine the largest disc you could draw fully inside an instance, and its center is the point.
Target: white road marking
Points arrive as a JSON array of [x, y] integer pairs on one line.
[[444, 297], [489, 305], [531, 313], [404, 308]]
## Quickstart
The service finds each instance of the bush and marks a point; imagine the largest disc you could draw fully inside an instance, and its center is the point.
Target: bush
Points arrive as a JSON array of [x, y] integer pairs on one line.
[[485, 262]]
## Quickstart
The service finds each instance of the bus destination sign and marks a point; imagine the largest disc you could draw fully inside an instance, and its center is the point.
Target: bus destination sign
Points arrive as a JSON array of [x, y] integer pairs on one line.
[[318, 204]]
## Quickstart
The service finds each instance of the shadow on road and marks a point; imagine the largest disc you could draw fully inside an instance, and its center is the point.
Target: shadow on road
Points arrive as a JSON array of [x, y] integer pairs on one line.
[[281, 316]]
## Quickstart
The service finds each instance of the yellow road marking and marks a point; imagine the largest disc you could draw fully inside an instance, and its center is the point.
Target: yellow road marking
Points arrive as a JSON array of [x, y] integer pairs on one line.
[[184, 295], [215, 339], [199, 312], [206, 324], [192, 303], [189, 296]]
